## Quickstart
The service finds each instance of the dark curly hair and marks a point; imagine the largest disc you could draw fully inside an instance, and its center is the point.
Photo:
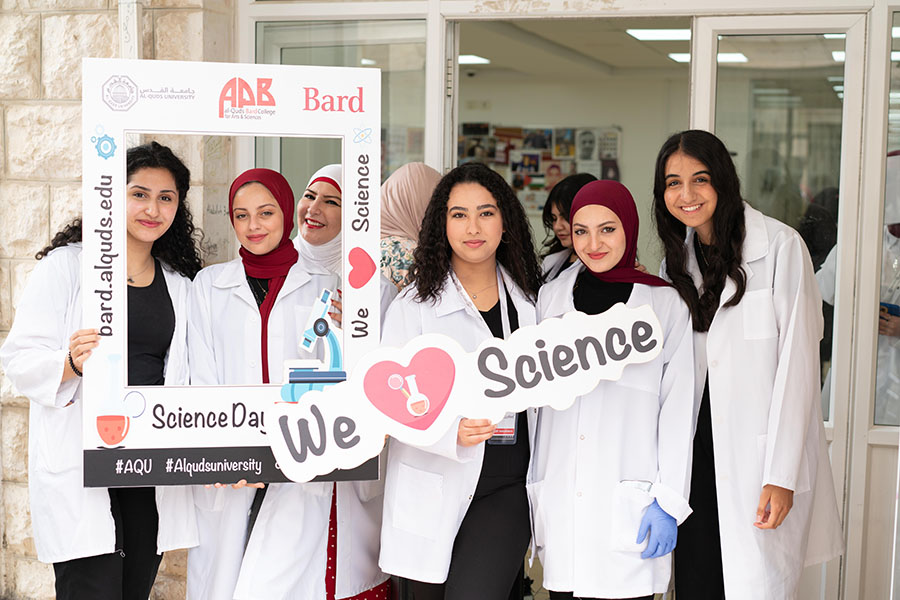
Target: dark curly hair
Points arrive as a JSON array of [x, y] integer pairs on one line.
[[178, 247], [728, 226], [561, 197], [431, 258]]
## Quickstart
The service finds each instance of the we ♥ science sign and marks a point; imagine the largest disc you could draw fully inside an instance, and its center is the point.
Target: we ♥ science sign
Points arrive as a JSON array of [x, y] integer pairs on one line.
[[417, 393]]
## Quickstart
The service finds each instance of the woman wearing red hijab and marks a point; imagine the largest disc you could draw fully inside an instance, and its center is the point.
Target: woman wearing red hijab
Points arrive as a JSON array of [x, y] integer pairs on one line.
[[610, 475], [247, 318]]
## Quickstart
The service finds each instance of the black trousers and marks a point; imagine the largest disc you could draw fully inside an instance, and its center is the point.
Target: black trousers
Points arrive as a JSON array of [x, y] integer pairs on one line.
[[488, 551], [569, 596], [128, 573], [698, 555]]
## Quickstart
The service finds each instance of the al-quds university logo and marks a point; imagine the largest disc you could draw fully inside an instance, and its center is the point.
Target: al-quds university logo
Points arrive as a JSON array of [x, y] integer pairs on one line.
[[120, 92]]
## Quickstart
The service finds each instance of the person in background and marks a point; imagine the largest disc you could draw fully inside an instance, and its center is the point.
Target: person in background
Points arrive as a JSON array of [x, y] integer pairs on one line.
[[404, 196], [623, 450], [761, 488], [456, 516], [106, 544], [559, 254]]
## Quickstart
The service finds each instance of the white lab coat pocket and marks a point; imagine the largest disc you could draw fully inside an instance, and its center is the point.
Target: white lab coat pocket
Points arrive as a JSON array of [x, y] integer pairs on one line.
[[417, 505], [758, 311], [537, 519], [59, 446], [629, 503]]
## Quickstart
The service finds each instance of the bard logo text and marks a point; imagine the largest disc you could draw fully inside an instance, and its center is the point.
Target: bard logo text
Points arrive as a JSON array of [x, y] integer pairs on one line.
[[314, 100]]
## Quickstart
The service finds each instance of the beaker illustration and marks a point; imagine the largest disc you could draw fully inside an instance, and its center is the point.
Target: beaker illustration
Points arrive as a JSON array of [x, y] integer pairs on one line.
[[416, 402]]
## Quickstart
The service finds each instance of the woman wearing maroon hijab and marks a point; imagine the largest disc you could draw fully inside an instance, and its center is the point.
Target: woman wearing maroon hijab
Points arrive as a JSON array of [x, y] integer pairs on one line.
[[247, 318], [609, 477]]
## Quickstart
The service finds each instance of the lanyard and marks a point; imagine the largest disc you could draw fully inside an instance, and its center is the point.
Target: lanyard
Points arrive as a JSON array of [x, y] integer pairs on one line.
[[504, 310]]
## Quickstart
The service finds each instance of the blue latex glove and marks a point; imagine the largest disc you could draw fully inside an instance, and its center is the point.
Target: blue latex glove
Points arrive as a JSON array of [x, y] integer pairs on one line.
[[662, 529]]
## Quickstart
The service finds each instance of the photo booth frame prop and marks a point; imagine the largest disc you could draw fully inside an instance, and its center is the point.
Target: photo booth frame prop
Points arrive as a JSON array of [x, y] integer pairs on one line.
[[151, 435]]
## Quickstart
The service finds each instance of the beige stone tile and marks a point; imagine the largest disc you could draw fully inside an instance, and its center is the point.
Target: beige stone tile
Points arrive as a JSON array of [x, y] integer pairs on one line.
[[66, 39], [13, 5], [6, 309], [168, 588], [174, 564], [147, 34], [24, 219], [179, 35], [14, 444], [217, 36], [20, 56], [28, 578], [65, 205], [217, 155], [43, 141], [176, 3]]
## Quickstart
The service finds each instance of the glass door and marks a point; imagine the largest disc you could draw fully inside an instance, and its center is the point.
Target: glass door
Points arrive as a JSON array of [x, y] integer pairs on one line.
[[785, 95]]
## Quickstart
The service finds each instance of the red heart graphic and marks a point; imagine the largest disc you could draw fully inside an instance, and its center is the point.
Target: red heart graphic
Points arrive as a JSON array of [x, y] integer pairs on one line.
[[362, 267], [415, 395]]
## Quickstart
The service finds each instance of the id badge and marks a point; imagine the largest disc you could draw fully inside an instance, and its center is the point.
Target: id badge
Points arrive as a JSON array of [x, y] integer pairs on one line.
[[505, 432]]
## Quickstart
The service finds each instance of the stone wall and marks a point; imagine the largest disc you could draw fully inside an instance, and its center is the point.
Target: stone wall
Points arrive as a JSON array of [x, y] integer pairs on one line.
[[40, 171]]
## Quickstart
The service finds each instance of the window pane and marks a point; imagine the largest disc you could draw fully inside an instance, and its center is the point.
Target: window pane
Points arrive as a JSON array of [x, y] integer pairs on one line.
[[395, 47], [778, 109]]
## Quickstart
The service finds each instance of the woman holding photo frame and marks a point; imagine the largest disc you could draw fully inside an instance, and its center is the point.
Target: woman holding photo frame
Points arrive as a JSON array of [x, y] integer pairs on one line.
[[106, 543]]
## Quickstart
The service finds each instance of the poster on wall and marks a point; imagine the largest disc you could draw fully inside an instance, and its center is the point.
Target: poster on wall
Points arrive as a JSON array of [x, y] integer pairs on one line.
[[173, 435]]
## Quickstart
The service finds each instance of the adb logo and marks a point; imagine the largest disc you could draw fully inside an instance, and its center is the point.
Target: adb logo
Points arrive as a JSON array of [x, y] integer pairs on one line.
[[239, 96]]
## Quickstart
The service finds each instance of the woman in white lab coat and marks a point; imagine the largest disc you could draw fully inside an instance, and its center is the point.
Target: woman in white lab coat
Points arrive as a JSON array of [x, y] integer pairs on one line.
[[456, 513], [559, 255], [247, 318], [106, 543], [319, 222], [761, 488], [610, 475]]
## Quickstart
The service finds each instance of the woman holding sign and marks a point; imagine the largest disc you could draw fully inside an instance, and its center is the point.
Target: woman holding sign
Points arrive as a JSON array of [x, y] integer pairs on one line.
[[761, 486], [248, 317], [456, 513], [106, 543], [609, 476]]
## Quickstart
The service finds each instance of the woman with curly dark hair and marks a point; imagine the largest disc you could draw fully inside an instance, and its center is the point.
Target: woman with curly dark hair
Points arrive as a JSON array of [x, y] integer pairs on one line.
[[456, 518], [757, 316], [559, 255], [106, 544]]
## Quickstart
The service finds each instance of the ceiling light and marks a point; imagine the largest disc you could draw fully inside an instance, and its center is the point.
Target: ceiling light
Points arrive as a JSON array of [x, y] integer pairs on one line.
[[732, 57], [895, 32], [838, 88], [680, 57], [838, 55], [472, 59], [834, 36], [659, 35], [366, 62], [771, 91], [895, 56], [836, 79]]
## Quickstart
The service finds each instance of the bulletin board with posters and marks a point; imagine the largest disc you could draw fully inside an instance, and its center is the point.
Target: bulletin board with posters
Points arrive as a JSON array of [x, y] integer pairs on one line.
[[189, 434]]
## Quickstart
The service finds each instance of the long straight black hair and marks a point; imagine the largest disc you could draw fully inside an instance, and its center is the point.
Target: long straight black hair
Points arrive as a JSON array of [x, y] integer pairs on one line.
[[431, 258], [178, 247], [561, 197], [728, 226]]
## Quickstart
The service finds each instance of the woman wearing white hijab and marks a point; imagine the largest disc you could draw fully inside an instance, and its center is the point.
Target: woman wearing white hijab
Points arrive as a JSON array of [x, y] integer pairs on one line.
[[319, 224], [404, 197]]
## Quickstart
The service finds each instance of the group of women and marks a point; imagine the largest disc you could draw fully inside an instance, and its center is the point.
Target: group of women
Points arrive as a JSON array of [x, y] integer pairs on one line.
[[714, 449]]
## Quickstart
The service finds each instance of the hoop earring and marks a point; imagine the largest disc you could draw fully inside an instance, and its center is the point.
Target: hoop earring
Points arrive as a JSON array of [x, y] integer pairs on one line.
[[503, 239]]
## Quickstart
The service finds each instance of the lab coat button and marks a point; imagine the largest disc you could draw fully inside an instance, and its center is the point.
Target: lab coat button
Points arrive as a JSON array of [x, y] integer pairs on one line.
[[714, 364], [582, 437], [578, 494]]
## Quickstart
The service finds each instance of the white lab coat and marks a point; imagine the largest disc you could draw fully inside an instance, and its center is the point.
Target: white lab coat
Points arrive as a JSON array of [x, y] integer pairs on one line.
[[69, 520], [428, 490], [887, 373], [763, 364], [286, 555], [553, 261], [585, 512]]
